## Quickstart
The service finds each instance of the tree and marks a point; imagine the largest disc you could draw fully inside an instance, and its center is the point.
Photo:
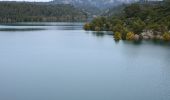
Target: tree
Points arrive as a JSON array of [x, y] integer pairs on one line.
[[137, 25], [151, 18], [132, 10], [117, 36], [24, 11], [166, 36], [87, 26], [130, 36], [119, 28]]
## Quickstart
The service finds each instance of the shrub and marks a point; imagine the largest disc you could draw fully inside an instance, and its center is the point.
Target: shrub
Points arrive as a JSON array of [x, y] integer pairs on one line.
[[130, 36], [87, 26], [118, 28], [137, 25], [166, 36], [117, 36]]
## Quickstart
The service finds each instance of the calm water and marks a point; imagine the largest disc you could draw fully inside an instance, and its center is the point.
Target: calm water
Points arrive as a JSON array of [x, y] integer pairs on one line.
[[60, 61]]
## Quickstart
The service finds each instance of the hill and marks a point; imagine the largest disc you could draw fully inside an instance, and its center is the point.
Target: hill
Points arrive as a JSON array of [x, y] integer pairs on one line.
[[146, 20], [92, 6], [24, 11], [113, 11]]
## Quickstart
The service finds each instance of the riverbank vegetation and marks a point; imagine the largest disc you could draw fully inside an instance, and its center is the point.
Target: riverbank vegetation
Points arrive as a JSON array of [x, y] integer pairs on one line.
[[137, 21], [39, 12]]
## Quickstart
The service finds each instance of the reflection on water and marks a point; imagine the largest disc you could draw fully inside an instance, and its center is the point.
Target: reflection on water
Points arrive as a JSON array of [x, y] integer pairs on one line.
[[21, 29], [99, 34], [149, 42], [64, 62], [43, 24], [40, 26]]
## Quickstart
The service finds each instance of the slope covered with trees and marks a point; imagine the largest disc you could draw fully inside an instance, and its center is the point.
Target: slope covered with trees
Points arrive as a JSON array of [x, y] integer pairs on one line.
[[93, 7], [26, 12], [137, 21]]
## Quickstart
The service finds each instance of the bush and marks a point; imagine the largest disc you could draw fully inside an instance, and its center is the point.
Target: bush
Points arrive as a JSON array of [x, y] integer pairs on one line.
[[130, 36], [166, 36], [117, 36], [87, 26], [137, 25], [120, 28]]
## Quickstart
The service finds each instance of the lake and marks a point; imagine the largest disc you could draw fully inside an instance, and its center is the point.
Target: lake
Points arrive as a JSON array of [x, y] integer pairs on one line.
[[61, 61]]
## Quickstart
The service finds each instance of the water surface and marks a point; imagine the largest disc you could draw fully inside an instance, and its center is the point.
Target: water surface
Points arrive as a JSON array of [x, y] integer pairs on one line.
[[60, 61]]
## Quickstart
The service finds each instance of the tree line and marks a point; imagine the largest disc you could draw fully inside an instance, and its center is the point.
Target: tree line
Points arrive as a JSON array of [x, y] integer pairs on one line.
[[38, 12]]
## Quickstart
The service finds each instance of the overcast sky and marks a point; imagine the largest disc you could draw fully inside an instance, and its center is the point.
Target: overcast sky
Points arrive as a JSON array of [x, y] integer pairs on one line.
[[39, 0], [51, 0], [29, 0], [35, 0]]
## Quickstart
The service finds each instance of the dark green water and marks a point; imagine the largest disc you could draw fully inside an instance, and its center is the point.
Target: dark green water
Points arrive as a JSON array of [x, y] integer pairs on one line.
[[60, 61]]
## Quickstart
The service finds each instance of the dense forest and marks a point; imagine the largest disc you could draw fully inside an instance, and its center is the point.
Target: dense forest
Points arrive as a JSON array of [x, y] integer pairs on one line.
[[35, 12], [137, 21]]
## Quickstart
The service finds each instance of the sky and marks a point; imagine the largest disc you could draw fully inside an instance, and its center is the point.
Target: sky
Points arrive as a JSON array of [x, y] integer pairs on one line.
[[45, 0], [29, 0]]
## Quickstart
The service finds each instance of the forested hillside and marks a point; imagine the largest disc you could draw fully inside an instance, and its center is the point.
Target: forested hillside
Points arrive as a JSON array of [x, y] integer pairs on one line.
[[113, 11], [26, 12], [93, 7], [137, 20], [101, 4]]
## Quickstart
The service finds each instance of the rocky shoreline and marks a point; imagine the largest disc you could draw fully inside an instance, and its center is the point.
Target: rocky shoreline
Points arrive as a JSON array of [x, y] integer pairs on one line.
[[150, 35]]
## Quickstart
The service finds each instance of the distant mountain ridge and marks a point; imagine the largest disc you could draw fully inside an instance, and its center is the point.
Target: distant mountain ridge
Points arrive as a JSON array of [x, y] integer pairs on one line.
[[93, 7], [101, 4]]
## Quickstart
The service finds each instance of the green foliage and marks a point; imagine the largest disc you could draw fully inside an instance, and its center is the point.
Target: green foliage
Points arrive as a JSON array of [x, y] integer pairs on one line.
[[166, 36], [115, 11], [118, 28], [154, 27], [158, 28], [117, 36], [137, 18], [115, 21], [137, 25], [99, 23], [130, 36], [87, 26], [24, 11], [132, 10]]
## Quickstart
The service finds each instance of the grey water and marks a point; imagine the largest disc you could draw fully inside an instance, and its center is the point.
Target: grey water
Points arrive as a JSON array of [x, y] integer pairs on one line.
[[61, 61]]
